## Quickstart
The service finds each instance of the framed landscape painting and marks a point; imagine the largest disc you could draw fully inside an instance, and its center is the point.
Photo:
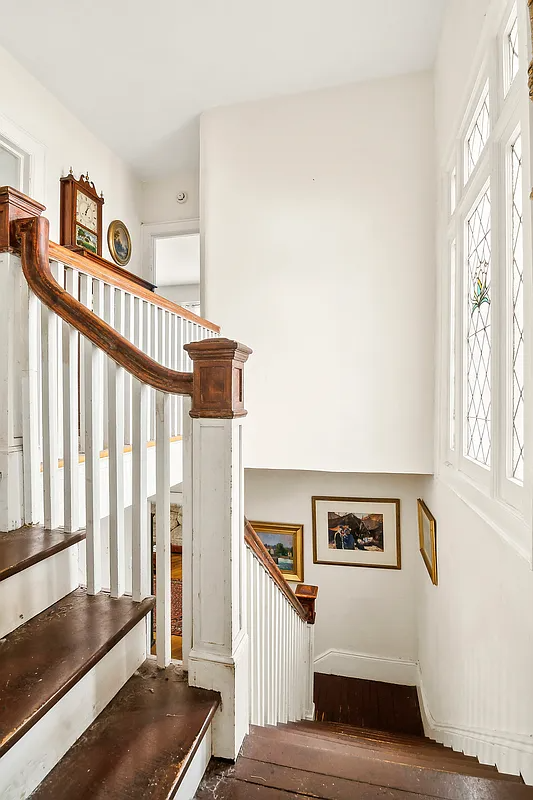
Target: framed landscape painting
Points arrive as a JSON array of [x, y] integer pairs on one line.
[[285, 546], [427, 534], [357, 532]]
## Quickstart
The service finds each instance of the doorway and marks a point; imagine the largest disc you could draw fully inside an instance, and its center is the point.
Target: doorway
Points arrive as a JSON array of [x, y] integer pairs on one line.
[[171, 255]]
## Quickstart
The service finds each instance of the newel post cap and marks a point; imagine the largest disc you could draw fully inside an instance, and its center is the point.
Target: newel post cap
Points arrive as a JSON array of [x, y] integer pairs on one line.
[[218, 385], [14, 205]]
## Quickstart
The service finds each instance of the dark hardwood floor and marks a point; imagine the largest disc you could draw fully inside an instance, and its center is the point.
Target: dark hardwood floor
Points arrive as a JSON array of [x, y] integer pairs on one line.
[[299, 761], [367, 704]]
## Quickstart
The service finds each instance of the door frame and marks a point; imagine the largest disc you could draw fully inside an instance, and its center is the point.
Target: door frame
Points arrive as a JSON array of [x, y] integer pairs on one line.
[[31, 148], [151, 231]]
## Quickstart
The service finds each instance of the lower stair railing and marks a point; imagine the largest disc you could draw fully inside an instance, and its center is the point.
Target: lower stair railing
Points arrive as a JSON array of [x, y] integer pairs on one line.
[[281, 636]]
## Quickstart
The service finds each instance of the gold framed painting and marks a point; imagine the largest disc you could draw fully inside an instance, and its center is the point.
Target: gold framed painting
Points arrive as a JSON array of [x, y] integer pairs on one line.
[[285, 545], [357, 532], [427, 535], [119, 242]]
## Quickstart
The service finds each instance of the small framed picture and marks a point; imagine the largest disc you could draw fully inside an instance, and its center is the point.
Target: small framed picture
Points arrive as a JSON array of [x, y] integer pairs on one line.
[[119, 242], [427, 534], [357, 532], [284, 543]]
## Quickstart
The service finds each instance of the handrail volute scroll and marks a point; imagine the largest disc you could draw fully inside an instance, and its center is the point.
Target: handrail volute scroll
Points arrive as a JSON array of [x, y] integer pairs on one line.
[[33, 234]]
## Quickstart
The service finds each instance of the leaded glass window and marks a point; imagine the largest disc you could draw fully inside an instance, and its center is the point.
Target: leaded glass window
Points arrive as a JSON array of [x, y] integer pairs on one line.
[[478, 135], [513, 62], [478, 327], [452, 345], [517, 448]]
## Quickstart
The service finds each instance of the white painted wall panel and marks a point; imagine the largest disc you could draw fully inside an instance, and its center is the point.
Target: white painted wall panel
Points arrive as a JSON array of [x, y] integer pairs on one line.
[[317, 214]]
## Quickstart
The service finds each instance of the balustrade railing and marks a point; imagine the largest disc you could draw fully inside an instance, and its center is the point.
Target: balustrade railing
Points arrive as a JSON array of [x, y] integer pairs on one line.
[[122, 394]]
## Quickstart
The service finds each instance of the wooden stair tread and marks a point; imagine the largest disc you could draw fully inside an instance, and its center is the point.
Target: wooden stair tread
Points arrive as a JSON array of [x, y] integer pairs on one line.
[[27, 546], [441, 761], [382, 735], [420, 781], [141, 744], [43, 659], [423, 746]]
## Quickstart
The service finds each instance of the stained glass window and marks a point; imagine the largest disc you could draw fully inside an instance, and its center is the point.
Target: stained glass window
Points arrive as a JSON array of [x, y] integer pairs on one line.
[[517, 449], [478, 350], [452, 346], [513, 61], [479, 134]]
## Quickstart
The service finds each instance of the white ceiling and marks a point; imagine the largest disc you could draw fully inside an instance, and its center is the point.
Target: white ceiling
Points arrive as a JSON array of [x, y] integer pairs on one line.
[[139, 72], [177, 260]]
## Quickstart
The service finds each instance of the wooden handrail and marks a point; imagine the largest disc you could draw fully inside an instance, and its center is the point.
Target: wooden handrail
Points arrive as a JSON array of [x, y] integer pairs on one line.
[[33, 234], [256, 545], [98, 269]]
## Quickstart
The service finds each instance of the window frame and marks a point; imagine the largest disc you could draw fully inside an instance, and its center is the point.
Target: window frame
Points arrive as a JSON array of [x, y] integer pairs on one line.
[[501, 499]]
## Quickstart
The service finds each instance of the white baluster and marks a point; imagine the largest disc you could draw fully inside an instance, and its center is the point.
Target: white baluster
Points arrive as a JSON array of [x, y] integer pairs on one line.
[[187, 549], [128, 333], [93, 415], [151, 347], [140, 511], [114, 315], [163, 635], [31, 403], [50, 455], [71, 470]]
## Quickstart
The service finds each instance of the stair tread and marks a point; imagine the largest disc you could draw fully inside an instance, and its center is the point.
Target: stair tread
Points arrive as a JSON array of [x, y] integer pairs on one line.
[[141, 744], [442, 762], [381, 774], [27, 546], [421, 744], [45, 657]]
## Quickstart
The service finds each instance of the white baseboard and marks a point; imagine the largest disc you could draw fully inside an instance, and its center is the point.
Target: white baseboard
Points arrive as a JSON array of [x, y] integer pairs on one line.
[[511, 753], [30, 759], [373, 668]]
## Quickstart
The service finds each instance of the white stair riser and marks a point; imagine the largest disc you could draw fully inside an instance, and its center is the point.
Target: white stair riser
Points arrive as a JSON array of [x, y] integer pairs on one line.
[[26, 594], [196, 770], [28, 762]]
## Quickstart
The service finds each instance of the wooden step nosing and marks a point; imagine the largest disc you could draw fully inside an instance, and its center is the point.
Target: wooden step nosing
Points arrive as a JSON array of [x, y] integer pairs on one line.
[[187, 761], [41, 555], [140, 611]]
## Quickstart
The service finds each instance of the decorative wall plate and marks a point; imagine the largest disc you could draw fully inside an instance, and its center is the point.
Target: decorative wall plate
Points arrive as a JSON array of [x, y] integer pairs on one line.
[[119, 242]]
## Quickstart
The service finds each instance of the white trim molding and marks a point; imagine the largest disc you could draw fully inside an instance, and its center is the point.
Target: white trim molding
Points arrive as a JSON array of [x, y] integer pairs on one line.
[[511, 753], [152, 231], [367, 667]]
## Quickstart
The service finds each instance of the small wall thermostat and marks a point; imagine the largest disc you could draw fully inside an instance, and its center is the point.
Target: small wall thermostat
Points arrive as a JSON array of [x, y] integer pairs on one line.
[[182, 197]]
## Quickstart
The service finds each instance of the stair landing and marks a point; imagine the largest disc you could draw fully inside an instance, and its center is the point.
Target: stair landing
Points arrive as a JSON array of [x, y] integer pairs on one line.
[[295, 762]]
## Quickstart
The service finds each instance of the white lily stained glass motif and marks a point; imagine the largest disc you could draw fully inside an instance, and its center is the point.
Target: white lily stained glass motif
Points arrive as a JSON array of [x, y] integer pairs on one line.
[[478, 350]]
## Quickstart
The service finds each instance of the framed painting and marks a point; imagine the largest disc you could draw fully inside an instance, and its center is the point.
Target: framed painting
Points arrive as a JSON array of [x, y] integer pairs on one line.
[[357, 532], [284, 543], [427, 535]]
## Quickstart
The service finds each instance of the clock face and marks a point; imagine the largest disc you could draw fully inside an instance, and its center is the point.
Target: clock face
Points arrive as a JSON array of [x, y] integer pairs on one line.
[[86, 211]]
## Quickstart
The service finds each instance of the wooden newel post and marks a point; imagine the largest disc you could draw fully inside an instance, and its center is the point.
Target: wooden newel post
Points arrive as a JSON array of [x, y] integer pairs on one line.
[[218, 658], [18, 370]]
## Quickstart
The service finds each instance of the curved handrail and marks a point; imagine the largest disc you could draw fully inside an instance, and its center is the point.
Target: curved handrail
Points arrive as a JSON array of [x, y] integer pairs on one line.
[[98, 269], [254, 543], [33, 233]]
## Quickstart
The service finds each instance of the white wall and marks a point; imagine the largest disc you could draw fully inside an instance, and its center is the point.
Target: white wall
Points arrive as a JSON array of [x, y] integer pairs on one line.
[[476, 627], [25, 103], [317, 215], [159, 198], [366, 618]]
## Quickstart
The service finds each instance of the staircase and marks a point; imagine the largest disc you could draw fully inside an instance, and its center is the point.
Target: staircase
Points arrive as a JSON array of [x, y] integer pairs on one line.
[[341, 762]]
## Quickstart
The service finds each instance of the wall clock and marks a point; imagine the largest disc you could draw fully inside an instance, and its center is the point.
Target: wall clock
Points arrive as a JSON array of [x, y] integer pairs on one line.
[[81, 214]]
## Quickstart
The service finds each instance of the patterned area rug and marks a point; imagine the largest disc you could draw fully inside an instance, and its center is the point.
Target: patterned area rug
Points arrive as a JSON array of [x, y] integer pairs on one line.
[[175, 607]]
